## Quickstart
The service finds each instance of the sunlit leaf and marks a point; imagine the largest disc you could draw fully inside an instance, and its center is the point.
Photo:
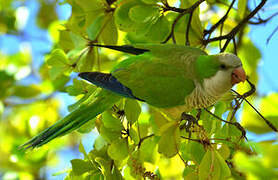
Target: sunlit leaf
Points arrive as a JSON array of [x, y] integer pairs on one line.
[[95, 28], [111, 122], [80, 166], [268, 106], [224, 151], [27, 91], [159, 30], [242, 8], [170, 139], [132, 110], [109, 34], [209, 167], [118, 150], [197, 151], [148, 149], [143, 13]]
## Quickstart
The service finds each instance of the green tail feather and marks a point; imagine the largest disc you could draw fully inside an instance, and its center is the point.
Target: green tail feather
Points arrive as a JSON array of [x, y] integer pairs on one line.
[[100, 102]]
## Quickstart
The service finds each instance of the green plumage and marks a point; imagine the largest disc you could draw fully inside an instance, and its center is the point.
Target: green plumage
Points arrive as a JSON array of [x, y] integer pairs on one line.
[[94, 105], [158, 76], [165, 76], [206, 66]]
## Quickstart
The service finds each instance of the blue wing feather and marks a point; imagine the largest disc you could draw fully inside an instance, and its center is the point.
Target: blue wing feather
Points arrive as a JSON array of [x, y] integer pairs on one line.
[[109, 82]]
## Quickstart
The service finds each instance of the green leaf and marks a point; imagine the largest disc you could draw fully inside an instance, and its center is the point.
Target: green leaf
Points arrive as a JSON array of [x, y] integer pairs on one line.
[[78, 87], [78, 41], [110, 122], [65, 41], [148, 149], [91, 5], [128, 174], [109, 134], [268, 107], [121, 15], [134, 135], [105, 167], [254, 165], [150, 1], [95, 176], [189, 173], [225, 170], [29, 91], [191, 176], [80, 166], [87, 61], [132, 110], [224, 151], [207, 121], [213, 166], [209, 167], [143, 13], [197, 151], [185, 150], [118, 150], [60, 81], [159, 31], [59, 64], [170, 139], [95, 28], [109, 34], [83, 14], [58, 58], [82, 150], [6, 83], [99, 143], [2, 108], [242, 4]]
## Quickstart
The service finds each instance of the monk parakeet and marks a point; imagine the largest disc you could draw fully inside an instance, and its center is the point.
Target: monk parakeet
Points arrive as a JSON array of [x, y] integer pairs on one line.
[[172, 78]]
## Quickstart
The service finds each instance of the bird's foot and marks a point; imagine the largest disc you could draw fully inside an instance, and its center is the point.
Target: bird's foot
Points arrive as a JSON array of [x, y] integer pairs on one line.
[[190, 120]]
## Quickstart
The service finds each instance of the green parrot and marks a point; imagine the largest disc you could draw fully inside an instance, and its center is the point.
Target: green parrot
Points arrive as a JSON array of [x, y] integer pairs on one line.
[[172, 78]]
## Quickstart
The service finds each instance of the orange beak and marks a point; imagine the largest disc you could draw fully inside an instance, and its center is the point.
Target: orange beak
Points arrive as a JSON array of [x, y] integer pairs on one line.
[[238, 75]]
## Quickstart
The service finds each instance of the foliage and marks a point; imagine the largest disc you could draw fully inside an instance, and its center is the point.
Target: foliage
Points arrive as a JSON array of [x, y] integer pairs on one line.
[[135, 140]]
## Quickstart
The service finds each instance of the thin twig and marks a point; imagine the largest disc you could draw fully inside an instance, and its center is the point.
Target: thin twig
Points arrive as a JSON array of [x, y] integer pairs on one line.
[[144, 138], [270, 36], [242, 23], [196, 140], [235, 46], [248, 94], [262, 21], [185, 163], [182, 12], [187, 43], [235, 30], [243, 132], [172, 33], [221, 21]]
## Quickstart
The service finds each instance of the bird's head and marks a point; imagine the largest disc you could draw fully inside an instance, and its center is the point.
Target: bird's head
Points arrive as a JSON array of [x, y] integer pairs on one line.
[[231, 66], [220, 72]]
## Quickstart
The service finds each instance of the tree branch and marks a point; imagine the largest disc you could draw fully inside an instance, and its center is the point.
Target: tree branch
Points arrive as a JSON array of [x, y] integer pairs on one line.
[[253, 89], [221, 21], [182, 13], [235, 30], [187, 43], [181, 10]]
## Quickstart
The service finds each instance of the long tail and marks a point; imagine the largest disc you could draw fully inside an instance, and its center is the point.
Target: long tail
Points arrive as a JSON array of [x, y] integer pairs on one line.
[[125, 48], [96, 104]]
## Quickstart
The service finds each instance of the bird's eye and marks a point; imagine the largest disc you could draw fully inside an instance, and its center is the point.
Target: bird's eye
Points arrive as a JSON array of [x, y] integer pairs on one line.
[[223, 66]]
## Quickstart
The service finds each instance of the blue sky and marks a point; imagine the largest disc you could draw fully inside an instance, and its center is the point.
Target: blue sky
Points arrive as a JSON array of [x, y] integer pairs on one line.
[[40, 43]]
